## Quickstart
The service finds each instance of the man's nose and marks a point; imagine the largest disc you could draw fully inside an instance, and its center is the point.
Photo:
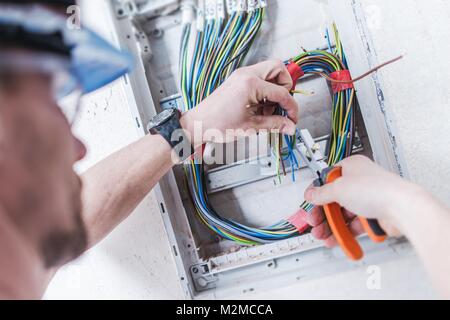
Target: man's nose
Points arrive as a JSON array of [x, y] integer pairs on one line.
[[80, 149]]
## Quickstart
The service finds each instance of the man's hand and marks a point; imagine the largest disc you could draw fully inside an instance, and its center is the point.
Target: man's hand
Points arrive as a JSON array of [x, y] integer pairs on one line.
[[365, 189], [245, 102]]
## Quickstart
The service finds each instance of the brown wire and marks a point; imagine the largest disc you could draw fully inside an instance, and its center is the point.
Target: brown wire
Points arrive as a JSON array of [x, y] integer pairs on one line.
[[361, 76]]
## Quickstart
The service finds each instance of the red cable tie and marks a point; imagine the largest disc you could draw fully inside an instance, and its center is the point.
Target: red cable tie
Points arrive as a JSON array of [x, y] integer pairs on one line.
[[295, 71], [341, 75], [298, 220]]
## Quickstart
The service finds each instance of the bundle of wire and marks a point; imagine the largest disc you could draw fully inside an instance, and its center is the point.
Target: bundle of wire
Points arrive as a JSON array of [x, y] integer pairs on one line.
[[325, 63], [220, 47]]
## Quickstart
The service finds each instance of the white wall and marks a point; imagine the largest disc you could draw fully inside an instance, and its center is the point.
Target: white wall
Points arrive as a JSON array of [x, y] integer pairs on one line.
[[416, 89]]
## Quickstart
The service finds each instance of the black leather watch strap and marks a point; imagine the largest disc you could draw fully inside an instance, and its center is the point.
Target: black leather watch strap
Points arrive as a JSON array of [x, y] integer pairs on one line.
[[167, 124]]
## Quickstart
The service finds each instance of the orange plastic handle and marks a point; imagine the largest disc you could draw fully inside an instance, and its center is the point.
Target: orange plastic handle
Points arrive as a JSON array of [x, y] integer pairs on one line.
[[335, 218], [370, 232]]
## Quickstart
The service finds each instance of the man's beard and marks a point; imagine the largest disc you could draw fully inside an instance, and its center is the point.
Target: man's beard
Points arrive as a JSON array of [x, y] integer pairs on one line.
[[61, 246]]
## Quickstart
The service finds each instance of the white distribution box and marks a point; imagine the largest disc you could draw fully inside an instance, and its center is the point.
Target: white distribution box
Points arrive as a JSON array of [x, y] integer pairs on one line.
[[209, 266]]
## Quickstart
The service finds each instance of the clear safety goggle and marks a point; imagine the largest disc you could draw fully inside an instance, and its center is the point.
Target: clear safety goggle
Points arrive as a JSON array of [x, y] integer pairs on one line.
[[58, 68]]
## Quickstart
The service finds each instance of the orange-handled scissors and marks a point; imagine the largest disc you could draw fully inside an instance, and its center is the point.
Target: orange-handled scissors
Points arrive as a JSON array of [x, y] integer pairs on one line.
[[338, 225], [333, 211]]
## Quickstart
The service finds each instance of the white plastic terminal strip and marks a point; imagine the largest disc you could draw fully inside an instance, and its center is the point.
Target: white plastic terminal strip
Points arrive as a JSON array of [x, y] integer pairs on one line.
[[220, 9], [242, 5], [252, 5], [210, 10], [187, 11], [200, 15], [262, 3], [231, 6]]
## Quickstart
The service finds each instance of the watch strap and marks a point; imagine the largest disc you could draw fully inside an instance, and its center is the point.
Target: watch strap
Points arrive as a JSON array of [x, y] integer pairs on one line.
[[175, 135]]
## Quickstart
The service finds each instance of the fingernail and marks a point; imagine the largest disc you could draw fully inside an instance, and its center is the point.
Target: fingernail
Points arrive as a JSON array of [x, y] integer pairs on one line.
[[309, 194], [288, 130]]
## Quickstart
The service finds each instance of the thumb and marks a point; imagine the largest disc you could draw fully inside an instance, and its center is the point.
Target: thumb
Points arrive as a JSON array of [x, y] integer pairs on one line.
[[280, 123], [326, 194]]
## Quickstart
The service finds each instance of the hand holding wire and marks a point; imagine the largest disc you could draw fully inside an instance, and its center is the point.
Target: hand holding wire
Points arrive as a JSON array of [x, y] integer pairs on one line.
[[251, 96], [256, 97]]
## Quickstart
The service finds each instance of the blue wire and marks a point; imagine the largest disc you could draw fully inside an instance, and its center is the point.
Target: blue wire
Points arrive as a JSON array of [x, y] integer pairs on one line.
[[327, 35]]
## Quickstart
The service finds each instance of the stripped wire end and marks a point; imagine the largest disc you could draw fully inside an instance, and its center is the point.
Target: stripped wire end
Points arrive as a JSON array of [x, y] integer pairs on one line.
[[303, 92]]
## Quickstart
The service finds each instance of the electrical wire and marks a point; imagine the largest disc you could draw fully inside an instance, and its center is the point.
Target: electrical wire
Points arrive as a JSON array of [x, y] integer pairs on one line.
[[324, 63], [217, 51]]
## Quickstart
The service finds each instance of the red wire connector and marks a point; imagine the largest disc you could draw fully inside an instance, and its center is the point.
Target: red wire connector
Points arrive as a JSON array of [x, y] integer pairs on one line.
[[298, 220], [295, 71], [344, 79]]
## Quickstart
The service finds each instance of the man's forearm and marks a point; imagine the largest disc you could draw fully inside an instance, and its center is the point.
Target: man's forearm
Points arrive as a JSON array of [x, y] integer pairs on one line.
[[115, 186], [426, 223]]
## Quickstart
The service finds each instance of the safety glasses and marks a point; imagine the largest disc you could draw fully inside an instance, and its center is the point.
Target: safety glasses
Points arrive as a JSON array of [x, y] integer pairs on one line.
[[76, 58]]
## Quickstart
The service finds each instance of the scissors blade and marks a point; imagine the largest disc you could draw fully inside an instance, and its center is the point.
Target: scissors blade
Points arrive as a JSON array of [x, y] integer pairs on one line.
[[313, 156]]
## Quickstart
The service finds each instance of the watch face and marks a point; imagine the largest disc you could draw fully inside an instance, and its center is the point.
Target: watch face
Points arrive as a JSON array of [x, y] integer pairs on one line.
[[161, 118]]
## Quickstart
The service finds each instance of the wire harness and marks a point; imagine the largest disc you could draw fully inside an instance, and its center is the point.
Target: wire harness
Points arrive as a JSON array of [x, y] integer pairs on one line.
[[332, 65], [223, 36]]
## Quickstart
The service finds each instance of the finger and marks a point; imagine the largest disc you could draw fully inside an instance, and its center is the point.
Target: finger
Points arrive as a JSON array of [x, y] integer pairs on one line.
[[322, 231], [267, 109], [278, 94], [273, 71], [348, 216], [390, 229], [331, 242], [317, 211], [326, 194], [353, 159], [273, 123], [315, 217], [355, 228]]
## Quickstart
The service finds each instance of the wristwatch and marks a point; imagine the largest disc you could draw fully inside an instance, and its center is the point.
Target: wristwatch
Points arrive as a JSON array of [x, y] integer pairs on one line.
[[167, 124]]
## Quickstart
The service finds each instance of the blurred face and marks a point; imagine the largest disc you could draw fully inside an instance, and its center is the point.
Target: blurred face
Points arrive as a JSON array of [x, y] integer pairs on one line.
[[38, 188]]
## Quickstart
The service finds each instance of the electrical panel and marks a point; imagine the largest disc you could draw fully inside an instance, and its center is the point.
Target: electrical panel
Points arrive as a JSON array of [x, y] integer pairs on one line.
[[251, 191]]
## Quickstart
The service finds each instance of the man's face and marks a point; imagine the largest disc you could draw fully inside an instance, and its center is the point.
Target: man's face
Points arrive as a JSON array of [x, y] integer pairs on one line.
[[39, 189]]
